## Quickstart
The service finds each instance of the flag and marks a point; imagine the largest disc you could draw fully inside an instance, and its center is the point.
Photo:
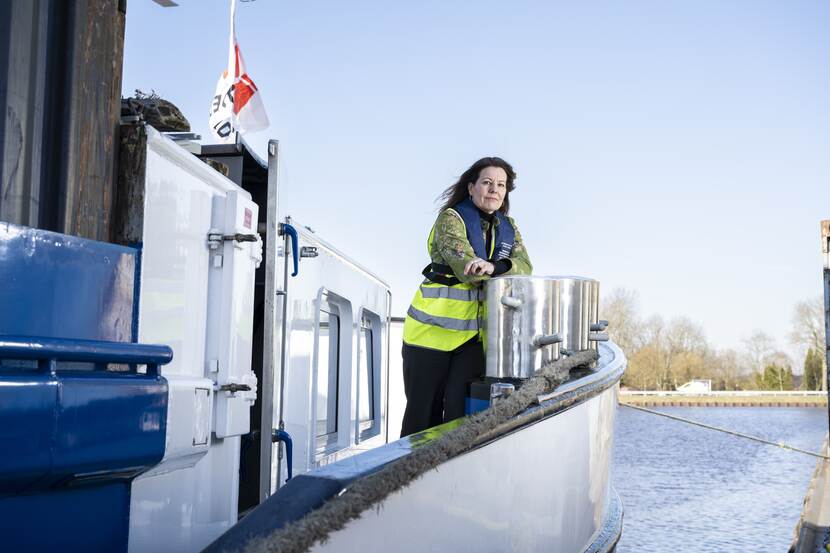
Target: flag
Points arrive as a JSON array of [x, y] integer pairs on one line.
[[237, 104]]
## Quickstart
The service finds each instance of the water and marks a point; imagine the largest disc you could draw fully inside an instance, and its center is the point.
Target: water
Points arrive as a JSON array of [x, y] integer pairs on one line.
[[692, 489]]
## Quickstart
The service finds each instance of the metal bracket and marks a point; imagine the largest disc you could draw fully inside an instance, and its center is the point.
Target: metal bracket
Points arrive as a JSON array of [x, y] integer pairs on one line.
[[284, 437], [279, 449], [543, 340], [233, 388], [178, 136], [511, 302], [599, 326], [216, 238]]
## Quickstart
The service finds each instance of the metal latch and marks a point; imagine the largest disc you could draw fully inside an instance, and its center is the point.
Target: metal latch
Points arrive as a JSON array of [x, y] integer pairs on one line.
[[233, 388], [216, 238]]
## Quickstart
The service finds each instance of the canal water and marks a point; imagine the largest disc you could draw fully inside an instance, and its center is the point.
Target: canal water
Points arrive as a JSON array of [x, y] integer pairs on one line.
[[686, 488]]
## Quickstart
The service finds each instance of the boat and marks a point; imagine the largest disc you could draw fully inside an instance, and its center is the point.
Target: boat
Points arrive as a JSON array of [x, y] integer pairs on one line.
[[207, 373]]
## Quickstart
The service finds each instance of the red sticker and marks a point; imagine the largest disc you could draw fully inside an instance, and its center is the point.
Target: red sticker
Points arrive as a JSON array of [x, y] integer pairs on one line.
[[248, 216]]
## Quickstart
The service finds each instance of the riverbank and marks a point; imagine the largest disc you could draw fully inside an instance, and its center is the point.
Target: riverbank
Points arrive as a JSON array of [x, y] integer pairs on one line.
[[724, 399]]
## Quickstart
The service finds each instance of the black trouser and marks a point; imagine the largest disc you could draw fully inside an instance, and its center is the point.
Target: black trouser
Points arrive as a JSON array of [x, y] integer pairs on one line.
[[435, 383]]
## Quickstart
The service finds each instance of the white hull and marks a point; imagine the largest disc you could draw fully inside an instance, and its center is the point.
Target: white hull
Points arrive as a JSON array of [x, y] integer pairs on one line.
[[540, 482], [543, 488]]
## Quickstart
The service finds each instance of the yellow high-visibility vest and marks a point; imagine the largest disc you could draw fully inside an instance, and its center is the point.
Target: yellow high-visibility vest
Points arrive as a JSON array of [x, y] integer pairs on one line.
[[443, 317]]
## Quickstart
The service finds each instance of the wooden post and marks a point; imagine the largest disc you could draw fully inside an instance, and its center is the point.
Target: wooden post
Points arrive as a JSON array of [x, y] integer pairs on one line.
[[60, 106], [93, 110]]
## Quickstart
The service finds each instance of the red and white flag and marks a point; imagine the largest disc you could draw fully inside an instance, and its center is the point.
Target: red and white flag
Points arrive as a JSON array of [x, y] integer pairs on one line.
[[237, 104]]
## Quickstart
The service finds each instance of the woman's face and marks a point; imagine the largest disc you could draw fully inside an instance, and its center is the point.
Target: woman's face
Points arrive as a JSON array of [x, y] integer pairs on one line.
[[489, 190]]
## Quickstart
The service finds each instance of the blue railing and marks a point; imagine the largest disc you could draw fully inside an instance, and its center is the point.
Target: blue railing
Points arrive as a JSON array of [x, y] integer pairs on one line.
[[291, 232], [285, 437], [72, 440], [90, 351]]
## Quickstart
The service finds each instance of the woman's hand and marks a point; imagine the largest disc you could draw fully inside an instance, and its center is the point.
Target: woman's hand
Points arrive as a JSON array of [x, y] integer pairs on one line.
[[478, 266]]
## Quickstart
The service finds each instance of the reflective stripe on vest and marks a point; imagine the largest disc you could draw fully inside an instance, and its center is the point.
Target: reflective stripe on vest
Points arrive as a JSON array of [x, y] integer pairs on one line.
[[442, 317], [449, 292], [444, 322]]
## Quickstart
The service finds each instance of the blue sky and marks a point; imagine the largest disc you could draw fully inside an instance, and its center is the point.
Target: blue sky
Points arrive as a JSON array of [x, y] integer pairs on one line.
[[681, 149]]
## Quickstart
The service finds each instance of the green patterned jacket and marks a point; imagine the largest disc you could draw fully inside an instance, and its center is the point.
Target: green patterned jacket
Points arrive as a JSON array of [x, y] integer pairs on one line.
[[450, 247]]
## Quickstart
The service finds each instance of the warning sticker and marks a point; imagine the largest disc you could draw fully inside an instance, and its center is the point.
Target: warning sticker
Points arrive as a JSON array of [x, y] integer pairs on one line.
[[248, 216]]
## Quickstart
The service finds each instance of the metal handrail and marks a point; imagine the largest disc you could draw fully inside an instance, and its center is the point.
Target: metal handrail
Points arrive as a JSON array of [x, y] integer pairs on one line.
[[90, 351]]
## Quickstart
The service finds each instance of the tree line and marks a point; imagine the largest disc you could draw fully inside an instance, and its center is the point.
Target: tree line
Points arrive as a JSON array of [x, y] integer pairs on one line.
[[663, 354]]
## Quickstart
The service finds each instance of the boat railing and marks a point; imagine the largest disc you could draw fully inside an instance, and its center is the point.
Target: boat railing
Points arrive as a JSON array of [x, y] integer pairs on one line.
[[97, 352]]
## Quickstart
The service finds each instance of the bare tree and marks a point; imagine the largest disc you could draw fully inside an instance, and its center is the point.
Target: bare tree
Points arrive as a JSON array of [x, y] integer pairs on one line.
[[779, 358], [685, 345], [620, 309], [757, 348], [654, 330], [728, 369], [668, 352], [642, 371], [645, 355], [663, 354], [808, 330], [686, 335], [808, 324]]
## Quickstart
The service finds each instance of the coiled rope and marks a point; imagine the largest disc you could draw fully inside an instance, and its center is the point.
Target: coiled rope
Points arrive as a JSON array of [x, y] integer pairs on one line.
[[316, 526], [727, 431]]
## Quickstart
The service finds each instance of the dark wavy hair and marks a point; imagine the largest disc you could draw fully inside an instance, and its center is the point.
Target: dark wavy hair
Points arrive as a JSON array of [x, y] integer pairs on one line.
[[458, 191]]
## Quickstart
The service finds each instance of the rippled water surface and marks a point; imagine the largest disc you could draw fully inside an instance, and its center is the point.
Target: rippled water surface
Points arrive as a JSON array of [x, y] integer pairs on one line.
[[688, 489]]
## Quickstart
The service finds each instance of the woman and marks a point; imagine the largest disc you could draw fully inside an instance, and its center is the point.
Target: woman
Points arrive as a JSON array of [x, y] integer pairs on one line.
[[472, 240]]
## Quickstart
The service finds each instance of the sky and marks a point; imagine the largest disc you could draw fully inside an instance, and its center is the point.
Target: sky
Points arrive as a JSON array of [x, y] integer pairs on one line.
[[678, 149]]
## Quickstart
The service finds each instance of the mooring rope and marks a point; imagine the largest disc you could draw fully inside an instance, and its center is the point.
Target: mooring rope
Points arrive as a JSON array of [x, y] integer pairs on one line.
[[299, 536], [726, 431]]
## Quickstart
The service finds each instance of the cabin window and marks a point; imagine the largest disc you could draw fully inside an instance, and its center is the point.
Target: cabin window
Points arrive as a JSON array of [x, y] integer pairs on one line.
[[328, 375], [368, 377], [366, 406]]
